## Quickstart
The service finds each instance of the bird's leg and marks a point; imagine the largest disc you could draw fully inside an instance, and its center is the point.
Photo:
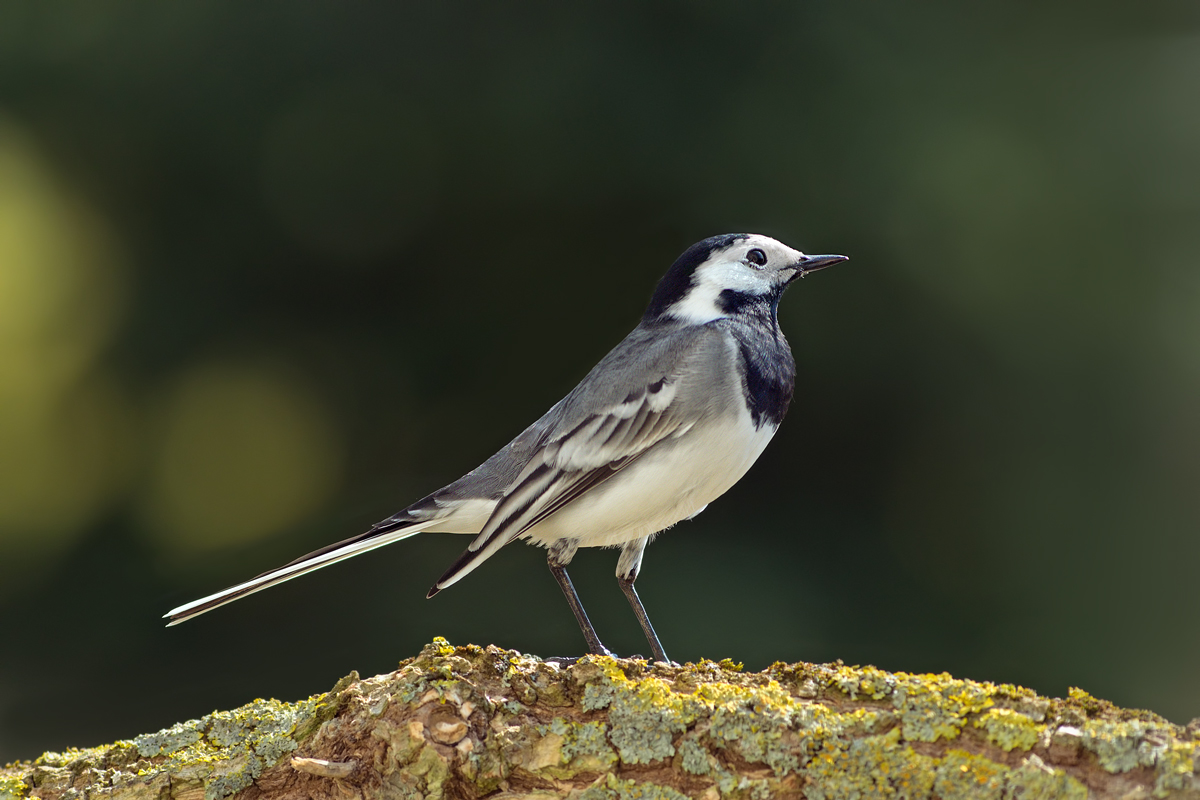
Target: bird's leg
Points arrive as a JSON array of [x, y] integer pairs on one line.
[[639, 611], [589, 633], [628, 566], [559, 556]]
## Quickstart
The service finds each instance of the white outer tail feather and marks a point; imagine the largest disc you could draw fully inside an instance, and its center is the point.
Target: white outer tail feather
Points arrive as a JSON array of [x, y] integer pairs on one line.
[[268, 579]]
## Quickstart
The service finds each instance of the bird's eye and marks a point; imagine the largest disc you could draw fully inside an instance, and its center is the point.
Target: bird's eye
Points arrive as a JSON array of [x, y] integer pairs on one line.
[[756, 257]]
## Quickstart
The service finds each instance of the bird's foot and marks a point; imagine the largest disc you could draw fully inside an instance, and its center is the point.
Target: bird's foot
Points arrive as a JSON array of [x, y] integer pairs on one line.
[[653, 661], [562, 661], [566, 661]]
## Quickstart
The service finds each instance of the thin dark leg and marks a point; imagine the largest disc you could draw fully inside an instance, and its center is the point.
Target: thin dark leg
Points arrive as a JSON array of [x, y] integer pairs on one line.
[[631, 595], [564, 581]]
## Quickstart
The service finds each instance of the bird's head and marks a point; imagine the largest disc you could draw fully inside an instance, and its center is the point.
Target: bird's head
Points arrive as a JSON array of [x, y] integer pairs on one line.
[[723, 276]]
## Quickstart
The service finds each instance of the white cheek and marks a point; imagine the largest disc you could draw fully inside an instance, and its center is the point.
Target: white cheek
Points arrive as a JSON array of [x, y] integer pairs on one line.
[[700, 306]]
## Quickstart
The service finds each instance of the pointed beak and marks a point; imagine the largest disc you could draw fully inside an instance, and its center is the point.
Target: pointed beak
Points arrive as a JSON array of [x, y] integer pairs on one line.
[[813, 263], [809, 264]]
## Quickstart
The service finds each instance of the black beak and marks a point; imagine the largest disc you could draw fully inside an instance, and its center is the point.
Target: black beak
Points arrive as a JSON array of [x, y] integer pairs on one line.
[[813, 263]]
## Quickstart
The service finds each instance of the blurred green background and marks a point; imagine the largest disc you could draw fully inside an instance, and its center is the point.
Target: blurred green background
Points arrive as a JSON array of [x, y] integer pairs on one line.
[[271, 271]]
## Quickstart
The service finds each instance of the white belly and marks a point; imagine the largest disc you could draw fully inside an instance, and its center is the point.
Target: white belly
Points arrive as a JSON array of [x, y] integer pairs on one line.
[[674, 481]]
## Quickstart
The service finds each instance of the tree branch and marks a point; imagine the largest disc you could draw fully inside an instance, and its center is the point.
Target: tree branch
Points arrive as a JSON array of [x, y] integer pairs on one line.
[[469, 722]]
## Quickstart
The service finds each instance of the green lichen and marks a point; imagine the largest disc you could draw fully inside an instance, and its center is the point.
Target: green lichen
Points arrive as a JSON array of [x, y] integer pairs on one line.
[[763, 722], [599, 694], [432, 769], [693, 757], [239, 774], [883, 766], [1175, 769], [576, 747], [726, 782], [240, 744], [962, 776], [13, 788], [1009, 730], [614, 788], [585, 746], [731, 785], [874, 766], [1116, 744], [930, 707], [644, 715], [1124, 745], [1033, 780], [933, 707], [227, 750], [168, 740], [869, 681], [756, 719], [53, 759]]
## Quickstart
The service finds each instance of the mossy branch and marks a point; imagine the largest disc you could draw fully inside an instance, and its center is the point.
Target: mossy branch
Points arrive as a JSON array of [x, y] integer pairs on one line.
[[471, 722]]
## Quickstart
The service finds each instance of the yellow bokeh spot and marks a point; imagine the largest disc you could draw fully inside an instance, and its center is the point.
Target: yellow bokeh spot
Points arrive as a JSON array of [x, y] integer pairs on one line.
[[245, 450], [65, 440], [60, 287]]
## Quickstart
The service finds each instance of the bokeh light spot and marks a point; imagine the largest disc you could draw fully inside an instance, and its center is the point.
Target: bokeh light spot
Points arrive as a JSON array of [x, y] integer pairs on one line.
[[64, 435], [246, 450]]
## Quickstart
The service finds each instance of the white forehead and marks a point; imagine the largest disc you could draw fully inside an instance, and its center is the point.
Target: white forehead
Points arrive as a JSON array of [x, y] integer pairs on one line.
[[776, 251]]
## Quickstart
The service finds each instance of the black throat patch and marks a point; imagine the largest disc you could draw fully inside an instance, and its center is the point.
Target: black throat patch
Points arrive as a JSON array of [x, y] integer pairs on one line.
[[768, 389], [763, 307], [768, 370]]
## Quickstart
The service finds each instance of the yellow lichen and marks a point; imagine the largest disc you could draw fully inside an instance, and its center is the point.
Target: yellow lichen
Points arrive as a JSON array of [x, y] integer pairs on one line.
[[869, 681], [13, 788], [874, 766], [1033, 780], [1116, 744], [1175, 769], [441, 647], [933, 707], [1008, 729], [961, 776], [645, 714], [585, 746]]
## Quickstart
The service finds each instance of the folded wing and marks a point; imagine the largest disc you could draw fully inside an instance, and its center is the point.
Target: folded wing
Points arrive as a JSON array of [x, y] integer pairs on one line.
[[573, 461]]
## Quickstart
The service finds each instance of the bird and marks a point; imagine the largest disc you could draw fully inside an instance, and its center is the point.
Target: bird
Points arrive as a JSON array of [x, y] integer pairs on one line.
[[663, 425]]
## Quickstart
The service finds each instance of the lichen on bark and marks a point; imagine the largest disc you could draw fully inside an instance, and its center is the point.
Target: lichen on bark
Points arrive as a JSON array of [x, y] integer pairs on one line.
[[467, 722]]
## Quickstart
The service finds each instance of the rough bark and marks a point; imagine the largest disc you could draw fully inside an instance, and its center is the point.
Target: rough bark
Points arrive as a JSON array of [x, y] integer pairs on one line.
[[472, 722]]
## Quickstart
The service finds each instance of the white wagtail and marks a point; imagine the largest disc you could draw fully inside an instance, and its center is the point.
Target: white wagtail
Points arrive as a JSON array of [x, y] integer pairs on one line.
[[661, 427]]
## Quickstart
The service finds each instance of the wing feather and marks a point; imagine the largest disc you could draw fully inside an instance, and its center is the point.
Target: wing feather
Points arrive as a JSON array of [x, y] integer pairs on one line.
[[573, 463]]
